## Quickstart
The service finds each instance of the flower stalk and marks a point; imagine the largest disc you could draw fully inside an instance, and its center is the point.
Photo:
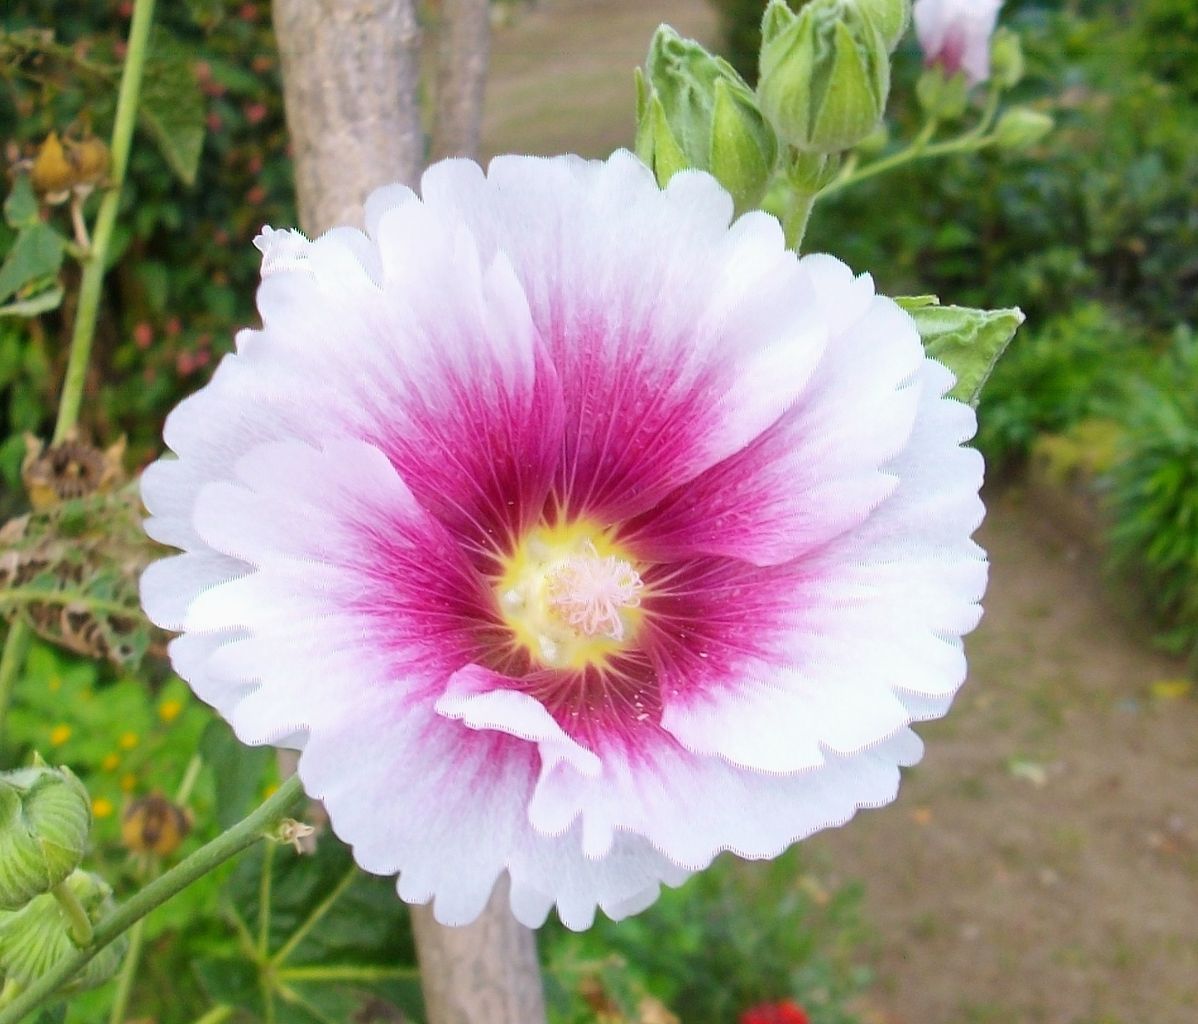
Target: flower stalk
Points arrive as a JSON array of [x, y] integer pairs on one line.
[[923, 148], [208, 857], [81, 926], [96, 261]]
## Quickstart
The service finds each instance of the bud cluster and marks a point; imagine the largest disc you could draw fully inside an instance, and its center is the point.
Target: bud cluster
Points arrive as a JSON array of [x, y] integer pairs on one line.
[[825, 71], [825, 78], [48, 905], [694, 110], [823, 88], [65, 165]]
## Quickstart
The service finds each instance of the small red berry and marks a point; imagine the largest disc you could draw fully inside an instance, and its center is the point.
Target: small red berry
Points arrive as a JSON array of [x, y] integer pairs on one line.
[[143, 335]]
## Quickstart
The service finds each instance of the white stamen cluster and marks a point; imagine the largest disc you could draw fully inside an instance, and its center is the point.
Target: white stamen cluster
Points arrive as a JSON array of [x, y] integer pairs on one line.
[[589, 591]]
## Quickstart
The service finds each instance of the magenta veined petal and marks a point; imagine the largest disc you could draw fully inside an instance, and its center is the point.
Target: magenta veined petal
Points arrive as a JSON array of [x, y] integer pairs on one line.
[[572, 531]]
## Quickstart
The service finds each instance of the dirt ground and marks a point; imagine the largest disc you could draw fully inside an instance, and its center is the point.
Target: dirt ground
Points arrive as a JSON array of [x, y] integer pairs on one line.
[[1041, 865]]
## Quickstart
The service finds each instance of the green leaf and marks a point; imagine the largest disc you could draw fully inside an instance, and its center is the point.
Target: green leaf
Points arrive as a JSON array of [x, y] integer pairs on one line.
[[967, 341], [40, 303], [172, 106], [339, 940], [37, 253], [240, 774], [20, 208]]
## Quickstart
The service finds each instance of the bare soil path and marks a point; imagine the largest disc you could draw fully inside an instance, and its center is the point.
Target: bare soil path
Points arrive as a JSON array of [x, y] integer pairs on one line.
[[1041, 865]]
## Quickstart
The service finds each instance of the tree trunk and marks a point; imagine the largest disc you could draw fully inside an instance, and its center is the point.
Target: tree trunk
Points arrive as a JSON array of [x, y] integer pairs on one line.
[[481, 973], [351, 77], [465, 49]]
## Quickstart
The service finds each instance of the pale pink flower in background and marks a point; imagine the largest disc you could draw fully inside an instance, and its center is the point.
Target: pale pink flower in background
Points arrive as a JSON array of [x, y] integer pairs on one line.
[[571, 531], [956, 34]]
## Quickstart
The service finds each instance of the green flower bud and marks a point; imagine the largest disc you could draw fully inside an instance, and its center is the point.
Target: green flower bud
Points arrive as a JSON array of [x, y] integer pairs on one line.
[[942, 96], [45, 816], [694, 110], [1021, 127], [825, 74], [890, 17], [1006, 58], [36, 937]]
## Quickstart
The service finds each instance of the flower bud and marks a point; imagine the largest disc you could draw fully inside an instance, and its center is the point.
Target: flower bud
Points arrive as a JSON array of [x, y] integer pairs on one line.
[[90, 159], [955, 35], [52, 174], [825, 74], [1006, 58], [45, 816], [1020, 128], [694, 110], [37, 937], [154, 825], [944, 97]]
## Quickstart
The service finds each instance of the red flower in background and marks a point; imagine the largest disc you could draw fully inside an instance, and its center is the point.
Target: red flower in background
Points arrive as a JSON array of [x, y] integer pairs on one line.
[[785, 1012]]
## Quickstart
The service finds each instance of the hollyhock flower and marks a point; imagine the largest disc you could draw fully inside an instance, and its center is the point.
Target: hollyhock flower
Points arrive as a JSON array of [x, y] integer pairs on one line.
[[955, 35], [786, 1012], [570, 531]]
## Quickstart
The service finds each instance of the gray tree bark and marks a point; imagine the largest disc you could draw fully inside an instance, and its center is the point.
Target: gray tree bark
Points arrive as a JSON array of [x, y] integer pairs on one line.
[[351, 77], [465, 50], [481, 973]]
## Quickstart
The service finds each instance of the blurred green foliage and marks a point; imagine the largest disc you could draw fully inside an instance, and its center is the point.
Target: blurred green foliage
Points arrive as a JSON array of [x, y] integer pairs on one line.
[[1154, 494], [209, 167]]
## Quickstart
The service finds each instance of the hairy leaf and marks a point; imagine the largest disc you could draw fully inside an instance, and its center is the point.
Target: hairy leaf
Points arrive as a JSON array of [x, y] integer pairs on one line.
[[967, 341]]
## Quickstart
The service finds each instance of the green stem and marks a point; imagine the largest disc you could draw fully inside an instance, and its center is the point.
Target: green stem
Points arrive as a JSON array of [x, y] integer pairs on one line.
[[189, 780], [346, 972], [799, 205], [124, 984], [208, 857], [16, 646], [923, 148], [264, 884], [217, 1015], [12, 989], [81, 925], [96, 265]]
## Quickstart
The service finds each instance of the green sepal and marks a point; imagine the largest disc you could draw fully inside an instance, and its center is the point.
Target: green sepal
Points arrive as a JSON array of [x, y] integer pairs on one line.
[[743, 168], [777, 18], [854, 95]]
